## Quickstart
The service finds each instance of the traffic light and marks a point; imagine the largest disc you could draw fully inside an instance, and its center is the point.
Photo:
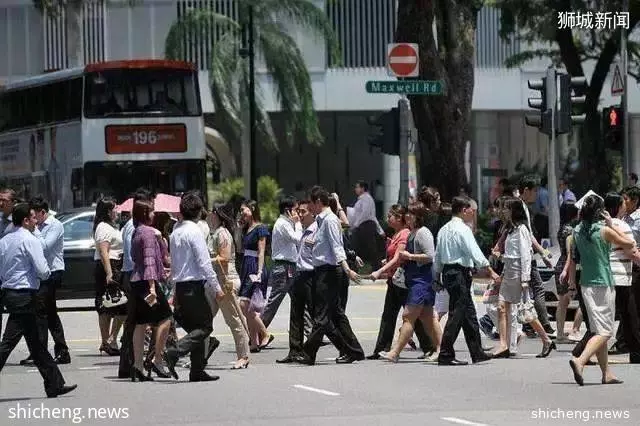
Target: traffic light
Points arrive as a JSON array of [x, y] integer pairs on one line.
[[547, 88], [612, 125], [569, 104], [387, 133]]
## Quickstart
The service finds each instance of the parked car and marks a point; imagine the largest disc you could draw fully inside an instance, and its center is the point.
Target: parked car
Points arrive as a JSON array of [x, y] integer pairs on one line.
[[79, 248]]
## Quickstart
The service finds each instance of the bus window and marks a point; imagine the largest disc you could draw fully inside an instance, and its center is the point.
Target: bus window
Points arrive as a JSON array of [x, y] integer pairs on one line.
[[141, 92]]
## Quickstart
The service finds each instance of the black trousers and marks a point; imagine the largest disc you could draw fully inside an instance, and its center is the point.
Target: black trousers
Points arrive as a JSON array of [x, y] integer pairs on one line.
[[626, 305], [47, 314], [462, 314], [300, 295], [329, 318], [393, 301], [537, 294], [126, 341], [193, 314], [21, 305]]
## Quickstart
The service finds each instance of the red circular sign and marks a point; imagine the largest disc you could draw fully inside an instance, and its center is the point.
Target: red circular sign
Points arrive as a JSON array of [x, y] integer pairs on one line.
[[403, 60]]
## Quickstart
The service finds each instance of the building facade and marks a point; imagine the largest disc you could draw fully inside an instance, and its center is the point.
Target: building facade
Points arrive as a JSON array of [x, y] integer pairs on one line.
[[31, 43]]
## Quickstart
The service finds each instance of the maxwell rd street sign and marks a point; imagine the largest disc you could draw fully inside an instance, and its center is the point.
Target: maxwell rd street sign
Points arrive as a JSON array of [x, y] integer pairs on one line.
[[409, 87]]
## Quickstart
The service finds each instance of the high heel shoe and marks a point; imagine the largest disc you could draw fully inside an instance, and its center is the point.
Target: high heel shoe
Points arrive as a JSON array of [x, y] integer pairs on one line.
[[241, 366], [160, 372], [109, 350], [138, 376], [546, 349]]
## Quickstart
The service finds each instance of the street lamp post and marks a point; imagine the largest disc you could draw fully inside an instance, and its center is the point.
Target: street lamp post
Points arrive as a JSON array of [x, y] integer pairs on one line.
[[248, 51]]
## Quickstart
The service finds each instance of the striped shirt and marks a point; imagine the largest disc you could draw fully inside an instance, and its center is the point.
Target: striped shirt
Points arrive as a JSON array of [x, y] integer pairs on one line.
[[621, 265]]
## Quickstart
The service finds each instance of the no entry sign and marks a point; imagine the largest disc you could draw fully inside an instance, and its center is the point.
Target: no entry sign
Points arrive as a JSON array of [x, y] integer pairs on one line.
[[403, 59]]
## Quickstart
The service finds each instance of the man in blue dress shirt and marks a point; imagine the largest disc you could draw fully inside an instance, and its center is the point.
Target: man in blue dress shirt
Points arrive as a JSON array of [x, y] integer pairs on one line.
[[51, 233], [22, 266], [329, 263]]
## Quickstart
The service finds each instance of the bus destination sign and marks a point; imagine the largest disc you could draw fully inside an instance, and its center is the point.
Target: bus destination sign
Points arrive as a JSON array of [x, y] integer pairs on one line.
[[146, 139]]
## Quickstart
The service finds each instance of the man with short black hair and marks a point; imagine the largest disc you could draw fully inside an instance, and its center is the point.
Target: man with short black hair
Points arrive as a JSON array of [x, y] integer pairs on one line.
[[633, 179], [51, 234], [8, 200], [285, 239], [191, 270], [22, 266], [457, 254], [365, 229], [329, 263]]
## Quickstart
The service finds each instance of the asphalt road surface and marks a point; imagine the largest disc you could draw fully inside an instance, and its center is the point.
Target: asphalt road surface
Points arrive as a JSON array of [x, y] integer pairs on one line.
[[518, 391]]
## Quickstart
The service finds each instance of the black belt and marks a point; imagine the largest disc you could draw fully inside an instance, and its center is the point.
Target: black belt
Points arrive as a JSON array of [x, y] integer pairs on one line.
[[284, 262], [456, 266], [20, 290], [325, 266]]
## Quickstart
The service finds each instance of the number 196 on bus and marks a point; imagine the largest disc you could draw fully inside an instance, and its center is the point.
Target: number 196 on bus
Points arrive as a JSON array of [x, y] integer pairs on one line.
[[143, 137]]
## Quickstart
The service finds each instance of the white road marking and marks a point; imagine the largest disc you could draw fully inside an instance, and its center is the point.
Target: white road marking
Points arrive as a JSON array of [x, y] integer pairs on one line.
[[33, 371], [89, 368], [322, 391], [462, 421], [403, 59], [80, 350]]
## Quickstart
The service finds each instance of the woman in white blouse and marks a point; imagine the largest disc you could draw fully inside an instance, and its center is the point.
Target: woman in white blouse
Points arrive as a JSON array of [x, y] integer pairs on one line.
[[516, 276], [108, 257]]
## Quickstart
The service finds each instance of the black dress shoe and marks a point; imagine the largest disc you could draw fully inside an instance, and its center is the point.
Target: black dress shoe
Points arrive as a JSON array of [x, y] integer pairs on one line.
[[374, 356], [203, 377], [286, 360], [63, 390], [348, 359], [452, 362], [171, 361], [482, 358], [303, 359], [63, 358], [27, 361], [212, 346]]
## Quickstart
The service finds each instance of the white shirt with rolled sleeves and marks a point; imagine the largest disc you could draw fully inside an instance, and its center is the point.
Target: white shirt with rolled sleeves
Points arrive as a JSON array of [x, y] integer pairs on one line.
[[127, 235], [364, 210], [22, 261], [285, 239], [328, 248], [305, 254], [51, 235], [457, 245], [190, 259]]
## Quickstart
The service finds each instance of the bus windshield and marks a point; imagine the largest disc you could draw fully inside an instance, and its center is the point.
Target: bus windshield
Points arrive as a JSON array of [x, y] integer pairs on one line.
[[148, 92]]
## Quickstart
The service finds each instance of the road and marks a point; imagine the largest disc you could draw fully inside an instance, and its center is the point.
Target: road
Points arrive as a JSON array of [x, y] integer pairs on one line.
[[522, 391]]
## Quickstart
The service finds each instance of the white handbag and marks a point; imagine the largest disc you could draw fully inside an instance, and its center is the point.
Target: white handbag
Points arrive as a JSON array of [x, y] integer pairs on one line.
[[398, 278], [526, 309]]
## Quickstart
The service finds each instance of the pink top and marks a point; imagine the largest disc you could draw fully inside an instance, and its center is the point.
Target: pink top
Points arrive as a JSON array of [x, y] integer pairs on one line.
[[392, 246], [147, 255]]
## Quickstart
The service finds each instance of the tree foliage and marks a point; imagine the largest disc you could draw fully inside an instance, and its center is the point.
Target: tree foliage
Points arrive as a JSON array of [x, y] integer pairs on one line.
[[229, 73], [535, 23]]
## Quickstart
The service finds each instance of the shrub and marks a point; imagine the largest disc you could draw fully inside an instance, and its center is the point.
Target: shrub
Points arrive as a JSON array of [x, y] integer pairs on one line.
[[268, 195]]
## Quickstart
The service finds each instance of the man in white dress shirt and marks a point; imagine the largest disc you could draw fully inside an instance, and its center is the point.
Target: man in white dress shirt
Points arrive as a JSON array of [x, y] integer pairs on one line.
[[365, 229], [51, 233], [8, 200], [285, 240], [191, 270], [22, 266]]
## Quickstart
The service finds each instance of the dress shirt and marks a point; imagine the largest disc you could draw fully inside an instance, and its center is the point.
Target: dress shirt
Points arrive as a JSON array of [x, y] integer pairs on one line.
[[7, 226], [457, 245], [364, 210], [517, 245], [328, 248], [566, 195], [190, 259], [22, 261], [127, 235], [51, 234], [633, 220], [285, 239], [305, 254]]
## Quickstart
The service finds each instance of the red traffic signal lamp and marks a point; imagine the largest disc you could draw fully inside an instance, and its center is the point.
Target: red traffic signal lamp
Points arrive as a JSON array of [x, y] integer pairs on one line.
[[613, 118], [612, 125]]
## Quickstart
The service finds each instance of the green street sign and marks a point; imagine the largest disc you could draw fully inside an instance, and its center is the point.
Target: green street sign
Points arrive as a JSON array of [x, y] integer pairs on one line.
[[406, 87]]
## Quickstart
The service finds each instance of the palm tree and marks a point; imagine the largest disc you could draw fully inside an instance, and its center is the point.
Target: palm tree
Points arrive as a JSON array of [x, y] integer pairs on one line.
[[230, 76]]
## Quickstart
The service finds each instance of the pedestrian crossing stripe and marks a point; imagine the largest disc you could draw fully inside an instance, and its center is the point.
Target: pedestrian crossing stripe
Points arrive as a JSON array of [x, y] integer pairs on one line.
[[617, 84]]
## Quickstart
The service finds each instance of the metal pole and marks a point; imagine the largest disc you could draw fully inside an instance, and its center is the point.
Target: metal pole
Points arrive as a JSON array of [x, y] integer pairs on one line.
[[253, 178], [405, 135], [627, 162], [554, 208]]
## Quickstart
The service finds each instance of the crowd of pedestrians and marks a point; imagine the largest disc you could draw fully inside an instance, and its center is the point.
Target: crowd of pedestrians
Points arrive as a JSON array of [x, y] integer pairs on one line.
[[160, 272]]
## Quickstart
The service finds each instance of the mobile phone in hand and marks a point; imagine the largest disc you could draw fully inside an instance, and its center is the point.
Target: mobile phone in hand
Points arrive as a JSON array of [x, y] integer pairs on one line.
[[150, 299]]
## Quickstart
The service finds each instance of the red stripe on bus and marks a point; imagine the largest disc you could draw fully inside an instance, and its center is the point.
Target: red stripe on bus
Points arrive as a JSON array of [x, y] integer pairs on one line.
[[140, 64]]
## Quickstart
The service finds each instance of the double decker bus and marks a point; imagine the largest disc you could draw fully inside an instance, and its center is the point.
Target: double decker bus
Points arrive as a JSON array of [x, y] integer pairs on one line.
[[106, 128]]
